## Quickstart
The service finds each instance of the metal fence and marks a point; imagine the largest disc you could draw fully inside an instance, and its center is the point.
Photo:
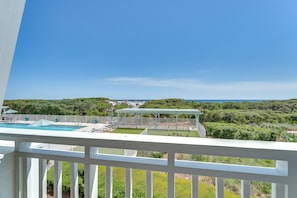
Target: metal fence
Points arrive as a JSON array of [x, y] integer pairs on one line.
[[57, 118]]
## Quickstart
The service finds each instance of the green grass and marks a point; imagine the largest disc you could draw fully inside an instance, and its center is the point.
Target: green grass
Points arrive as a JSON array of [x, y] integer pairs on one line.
[[182, 190], [157, 132], [234, 160], [127, 131], [174, 133], [111, 151]]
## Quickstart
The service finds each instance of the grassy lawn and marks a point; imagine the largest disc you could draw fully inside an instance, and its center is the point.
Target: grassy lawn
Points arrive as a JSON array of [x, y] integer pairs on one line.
[[183, 186], [127, 131], [174, 133], [111, 151], [157, 132]]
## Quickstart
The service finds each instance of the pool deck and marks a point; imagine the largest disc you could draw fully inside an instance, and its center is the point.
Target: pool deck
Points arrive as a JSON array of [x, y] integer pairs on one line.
[[85, 127]]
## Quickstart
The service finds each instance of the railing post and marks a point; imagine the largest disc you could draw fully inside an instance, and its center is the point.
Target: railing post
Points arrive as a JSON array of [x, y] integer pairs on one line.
[[195, 188], [18, 173], [24, 177], [128, 183], [291, 188], [18, 177], [58, 180], [149, 184], [219, 187], [42, 178], [91, 174], [74, 180], [278, 190], [27, 172], [171, 175], [108, 182], [245, 189]]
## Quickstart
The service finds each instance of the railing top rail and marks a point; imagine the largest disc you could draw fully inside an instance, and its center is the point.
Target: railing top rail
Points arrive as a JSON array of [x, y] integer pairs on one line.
[[222, 147]]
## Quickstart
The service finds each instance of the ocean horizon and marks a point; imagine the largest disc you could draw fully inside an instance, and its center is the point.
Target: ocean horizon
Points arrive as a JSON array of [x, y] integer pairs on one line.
[[199, 100]]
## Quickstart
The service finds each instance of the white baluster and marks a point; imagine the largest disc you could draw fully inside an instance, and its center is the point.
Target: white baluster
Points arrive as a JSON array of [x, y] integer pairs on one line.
[[219, 187], [58, 180], [108, 182], [74, 180], [149, 184], [195, 188], [128, 183], [42, 178]]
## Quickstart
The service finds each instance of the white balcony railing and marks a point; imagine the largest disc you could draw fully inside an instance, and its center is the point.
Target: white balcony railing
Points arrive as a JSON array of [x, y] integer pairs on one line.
[[29, 162]]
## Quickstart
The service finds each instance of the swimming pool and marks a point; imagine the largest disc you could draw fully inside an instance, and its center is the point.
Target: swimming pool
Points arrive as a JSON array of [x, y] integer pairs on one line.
[[49, 127]]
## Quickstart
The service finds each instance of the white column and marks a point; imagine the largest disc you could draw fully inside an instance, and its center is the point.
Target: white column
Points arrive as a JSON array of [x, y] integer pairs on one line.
[[176, 121], [11, 12], [197, 120], [136, 121], [118, 122]]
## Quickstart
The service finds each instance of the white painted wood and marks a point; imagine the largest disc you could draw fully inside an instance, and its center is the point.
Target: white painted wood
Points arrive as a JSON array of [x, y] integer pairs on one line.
[[7, 172], [42, 178], [291, 187], [235, 148], [284, 174], [73, 180], [171, 175], [58, 179], [245, 189], [291, 190], [25, 177], [87, 180], [11, 12], [128, 191], [149, 184], [31, 177], [219, 187], [278, 191], [195, 187], [19, 177], [91, 173], [108, 182], [19, 172], [93, 181]]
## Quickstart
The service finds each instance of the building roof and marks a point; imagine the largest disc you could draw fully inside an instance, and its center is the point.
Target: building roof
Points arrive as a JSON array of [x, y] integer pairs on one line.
[[159, 111]]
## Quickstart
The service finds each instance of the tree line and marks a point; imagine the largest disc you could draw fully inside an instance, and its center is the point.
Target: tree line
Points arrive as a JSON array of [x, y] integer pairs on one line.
[[244, 120], [78, 106]]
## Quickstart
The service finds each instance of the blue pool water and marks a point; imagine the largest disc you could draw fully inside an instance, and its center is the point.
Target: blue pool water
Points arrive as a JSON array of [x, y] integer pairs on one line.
[[50, 127]]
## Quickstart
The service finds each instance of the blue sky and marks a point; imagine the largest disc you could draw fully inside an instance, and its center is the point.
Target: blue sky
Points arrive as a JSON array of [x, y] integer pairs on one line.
[[134, 49]]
